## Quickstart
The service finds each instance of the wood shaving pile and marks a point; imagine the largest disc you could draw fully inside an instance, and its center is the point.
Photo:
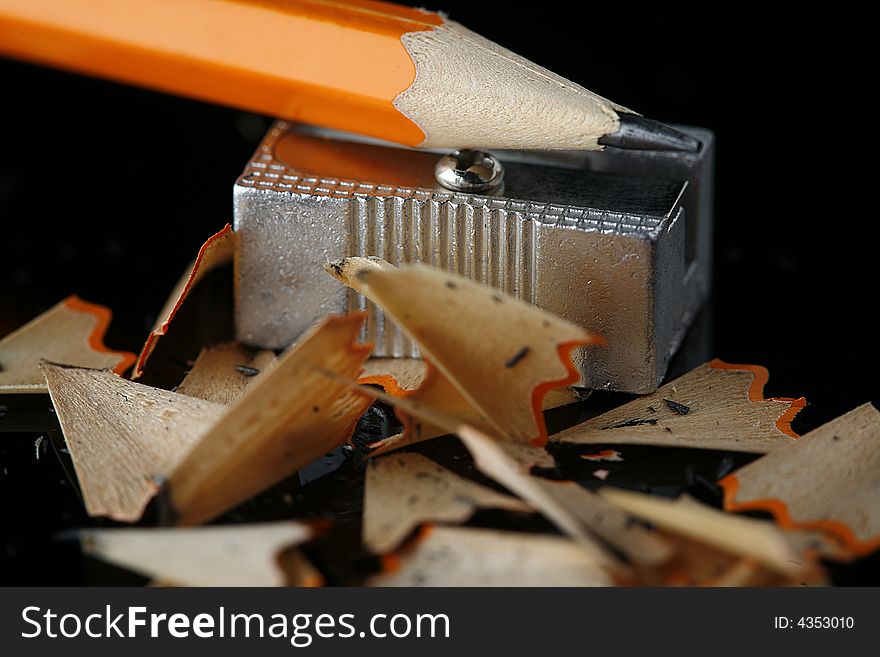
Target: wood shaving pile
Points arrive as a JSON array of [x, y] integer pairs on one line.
[[181, 462]]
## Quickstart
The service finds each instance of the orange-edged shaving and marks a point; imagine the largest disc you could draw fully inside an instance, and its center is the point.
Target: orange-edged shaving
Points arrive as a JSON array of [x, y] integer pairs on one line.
[[292, 415], [500, 355], [215, 252], [828, 480], [71, 333], [714, 406], [756, 393]]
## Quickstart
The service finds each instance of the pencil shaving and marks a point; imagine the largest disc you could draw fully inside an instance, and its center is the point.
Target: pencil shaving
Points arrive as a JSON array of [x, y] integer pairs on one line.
[[694, 563], [396, 375], [71, 333], [524, 454], [573, 509], [577, 512], [736, 535], [715, 406], [502, 355], [226, 555], [829, 481], [292, 415], [215, 252], [453, 556], [436, 392], [123, 436], [403, 491], [223, 373]]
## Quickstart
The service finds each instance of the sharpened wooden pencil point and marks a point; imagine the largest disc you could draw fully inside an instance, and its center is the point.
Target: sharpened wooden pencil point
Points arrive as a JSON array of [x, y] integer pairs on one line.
[[405, 75]]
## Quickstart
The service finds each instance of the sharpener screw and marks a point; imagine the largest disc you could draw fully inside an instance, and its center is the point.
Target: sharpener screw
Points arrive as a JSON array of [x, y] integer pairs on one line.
[[469, 171]]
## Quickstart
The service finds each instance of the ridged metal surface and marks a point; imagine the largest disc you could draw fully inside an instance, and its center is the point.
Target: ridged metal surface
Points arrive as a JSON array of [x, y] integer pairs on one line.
[[490, 245]]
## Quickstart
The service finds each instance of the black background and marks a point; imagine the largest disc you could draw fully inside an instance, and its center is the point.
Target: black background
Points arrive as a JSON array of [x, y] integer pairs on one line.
[[107, 191]]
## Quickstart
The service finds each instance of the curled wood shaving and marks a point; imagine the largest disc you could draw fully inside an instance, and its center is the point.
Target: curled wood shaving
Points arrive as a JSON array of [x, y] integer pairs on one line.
[[455, 556], [573, 509], [737, 535], [438, 393], [223, 373], [502, 355], [224, 555], [693, 564], [290, 416], [215, 252], [828, 481], [403, 491], [524, 454], [396, 375], [697, 564], [123, 437], [404, 376], [71, 332], [726, 410]]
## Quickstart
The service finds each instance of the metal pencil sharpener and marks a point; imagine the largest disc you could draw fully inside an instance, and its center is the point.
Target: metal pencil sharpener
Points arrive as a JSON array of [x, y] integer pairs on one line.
[[616, 241]]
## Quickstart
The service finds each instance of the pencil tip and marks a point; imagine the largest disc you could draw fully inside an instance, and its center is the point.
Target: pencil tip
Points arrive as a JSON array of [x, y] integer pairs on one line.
[[638, 133]]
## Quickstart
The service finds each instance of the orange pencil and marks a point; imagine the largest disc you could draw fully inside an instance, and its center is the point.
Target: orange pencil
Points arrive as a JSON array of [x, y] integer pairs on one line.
[[397, 73]]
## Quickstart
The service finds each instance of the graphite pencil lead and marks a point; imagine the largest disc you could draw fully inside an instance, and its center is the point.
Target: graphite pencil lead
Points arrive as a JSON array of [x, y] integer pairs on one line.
[[638, 133]]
